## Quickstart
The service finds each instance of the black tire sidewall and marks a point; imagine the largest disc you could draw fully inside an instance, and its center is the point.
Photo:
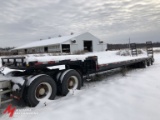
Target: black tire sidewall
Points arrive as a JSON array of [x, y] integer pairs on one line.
[[31, 89], [144, 64], [64, 87]]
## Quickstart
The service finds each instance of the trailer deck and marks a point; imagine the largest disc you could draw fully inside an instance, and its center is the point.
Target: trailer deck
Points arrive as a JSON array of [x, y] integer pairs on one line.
[[103, 59]]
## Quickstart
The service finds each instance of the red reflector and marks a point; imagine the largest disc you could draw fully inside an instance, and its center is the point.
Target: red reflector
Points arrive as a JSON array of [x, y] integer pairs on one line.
[[38, 63], [97, 67], [15, 97], [51, 62]]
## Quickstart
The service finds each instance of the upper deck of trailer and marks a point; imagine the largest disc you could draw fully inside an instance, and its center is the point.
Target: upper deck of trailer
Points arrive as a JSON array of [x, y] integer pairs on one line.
[[103, 58]]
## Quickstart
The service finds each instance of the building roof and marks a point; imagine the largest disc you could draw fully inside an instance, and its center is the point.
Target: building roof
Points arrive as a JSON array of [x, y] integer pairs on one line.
[[52, 41]]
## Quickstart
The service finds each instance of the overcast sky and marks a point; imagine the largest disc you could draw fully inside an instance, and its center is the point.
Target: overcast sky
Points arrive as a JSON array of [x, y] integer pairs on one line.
[[113, 21]]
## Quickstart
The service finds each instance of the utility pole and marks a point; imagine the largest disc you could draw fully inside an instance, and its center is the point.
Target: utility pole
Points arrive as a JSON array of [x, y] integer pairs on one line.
[[129, 46], [129, 43]]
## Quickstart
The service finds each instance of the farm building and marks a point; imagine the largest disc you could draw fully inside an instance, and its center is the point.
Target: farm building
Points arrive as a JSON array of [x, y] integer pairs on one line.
[[66, 44]]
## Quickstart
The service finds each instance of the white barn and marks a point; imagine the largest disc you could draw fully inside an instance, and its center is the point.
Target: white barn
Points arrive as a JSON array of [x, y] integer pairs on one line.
[[67, 44]]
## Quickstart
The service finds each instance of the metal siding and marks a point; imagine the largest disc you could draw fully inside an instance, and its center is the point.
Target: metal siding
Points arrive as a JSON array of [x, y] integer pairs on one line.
[[78, 46]]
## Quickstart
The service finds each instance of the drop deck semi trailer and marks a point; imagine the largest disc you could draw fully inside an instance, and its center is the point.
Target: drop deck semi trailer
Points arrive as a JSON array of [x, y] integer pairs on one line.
[[34, 81]]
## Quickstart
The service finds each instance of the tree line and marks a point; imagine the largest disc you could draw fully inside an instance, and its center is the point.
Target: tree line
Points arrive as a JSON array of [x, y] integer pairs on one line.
[[125, 46]]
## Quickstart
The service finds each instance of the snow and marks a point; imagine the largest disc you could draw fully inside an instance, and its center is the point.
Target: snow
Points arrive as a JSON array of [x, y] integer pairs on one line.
[[156, 48], [60, 67], [46, 42], [6, 70], [15, 87], [3, 78], [103, 57], [31, 78], [19, 80], [7, 77], [132, 97]]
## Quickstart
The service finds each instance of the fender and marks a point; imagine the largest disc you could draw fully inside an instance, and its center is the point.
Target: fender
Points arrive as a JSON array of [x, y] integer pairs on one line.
[[62, 75], [30, 79]]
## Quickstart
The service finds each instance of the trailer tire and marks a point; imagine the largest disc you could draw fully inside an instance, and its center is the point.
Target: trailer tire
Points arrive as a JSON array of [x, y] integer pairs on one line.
[[144, 64], [58, 82], [70, 80], [43, 87], [152, 61], [148, 62]]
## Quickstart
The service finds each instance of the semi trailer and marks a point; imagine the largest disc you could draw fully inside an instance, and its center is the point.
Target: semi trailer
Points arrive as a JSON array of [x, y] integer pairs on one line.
[[34, 79]]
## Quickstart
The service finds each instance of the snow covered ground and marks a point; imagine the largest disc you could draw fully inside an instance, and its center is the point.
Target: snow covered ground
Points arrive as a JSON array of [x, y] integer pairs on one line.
[[135, 96], [156, 48]]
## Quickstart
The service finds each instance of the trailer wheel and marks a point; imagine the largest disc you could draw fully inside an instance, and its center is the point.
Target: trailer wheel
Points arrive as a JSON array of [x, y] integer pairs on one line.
[[41, 88], [152, 61], [70, 80], [148, 62], [144, 64], [58, 82]]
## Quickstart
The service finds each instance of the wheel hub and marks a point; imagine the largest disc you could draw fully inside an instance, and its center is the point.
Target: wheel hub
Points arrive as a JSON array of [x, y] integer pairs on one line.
[[42, 91], [71, 83]]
